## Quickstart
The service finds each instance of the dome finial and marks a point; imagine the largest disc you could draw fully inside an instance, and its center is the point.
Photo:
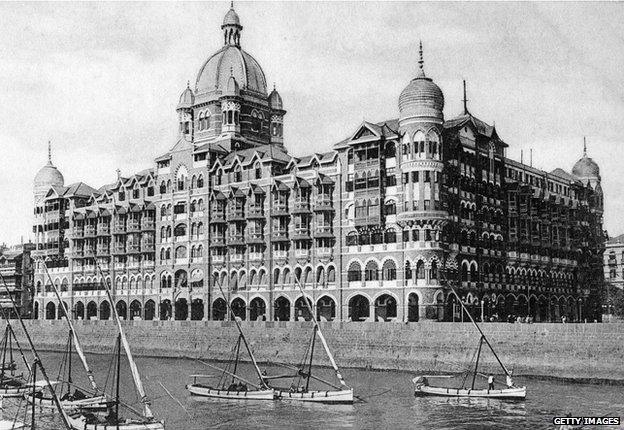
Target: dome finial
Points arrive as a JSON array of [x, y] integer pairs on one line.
[[584, 147], [50, 152], [421, 61], [231, 27]]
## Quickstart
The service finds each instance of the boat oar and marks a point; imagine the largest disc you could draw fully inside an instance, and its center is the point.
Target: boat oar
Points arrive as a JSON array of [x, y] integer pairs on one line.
[[179, 403], [256, 386], [282, 376]]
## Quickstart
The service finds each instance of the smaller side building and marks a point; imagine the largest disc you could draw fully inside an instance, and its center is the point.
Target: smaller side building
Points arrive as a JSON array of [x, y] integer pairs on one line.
[[614, 261], [17, 272]]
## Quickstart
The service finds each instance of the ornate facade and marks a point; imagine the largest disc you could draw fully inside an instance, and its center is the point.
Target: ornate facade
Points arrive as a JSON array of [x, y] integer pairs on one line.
[[379, 228]]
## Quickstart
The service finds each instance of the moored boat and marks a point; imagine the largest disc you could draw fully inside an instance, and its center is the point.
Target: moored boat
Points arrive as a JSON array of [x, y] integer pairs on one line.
[[510, 392], [300, 389], [226, 387], [422, 389]]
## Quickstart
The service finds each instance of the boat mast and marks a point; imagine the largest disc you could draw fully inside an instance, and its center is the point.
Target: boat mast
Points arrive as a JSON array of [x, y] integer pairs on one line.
[[311, 356], [480, 331], [6, 343], [147, 412], [242, 336], [69, 358], [474, 376], [11, 332], [117, 400], [34, 392], [320, 335], [72, 331], [34, 352]]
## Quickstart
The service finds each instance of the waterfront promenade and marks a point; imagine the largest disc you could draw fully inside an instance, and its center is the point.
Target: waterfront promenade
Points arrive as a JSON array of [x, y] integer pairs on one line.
[[569, 351]]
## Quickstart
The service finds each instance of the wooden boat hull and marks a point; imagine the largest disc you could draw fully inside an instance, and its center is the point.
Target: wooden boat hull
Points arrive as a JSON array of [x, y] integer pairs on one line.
[[91, 403], [79, 422], [203, 391], [11, 425], [318, 396], [518, 393]]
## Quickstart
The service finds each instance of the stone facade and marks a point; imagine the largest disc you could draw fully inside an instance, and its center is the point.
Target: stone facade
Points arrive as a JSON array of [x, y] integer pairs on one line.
[[378, 229]]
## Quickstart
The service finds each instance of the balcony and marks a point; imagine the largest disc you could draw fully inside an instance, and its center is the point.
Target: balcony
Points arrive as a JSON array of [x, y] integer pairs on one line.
[[103, 230], [217, 241], [148, 224], [324, 252], [301, 206], [323, 231], [78, 253], [236, 240], [237, 257], [133, 248], [103, 251], [279, 236], [89, 252], [148, 265], [134, 265], [218, 258], [236, 215], [77, 233], [217, 216], [279, 209], [255, 212], [178, 239], [120, 266], [255, 237], [133, 227], [147, 247], [301, 233], [180, 217], [89, 231], [119, 228], [280, 254], [323, 203], [256, 256], [119, 248], [183, 260], [302, 253]]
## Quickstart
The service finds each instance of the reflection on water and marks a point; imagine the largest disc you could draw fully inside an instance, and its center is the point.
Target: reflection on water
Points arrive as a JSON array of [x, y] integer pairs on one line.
[[387, 402]]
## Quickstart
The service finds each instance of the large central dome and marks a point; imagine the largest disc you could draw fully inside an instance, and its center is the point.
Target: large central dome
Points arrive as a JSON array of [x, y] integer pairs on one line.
[[231, 60]]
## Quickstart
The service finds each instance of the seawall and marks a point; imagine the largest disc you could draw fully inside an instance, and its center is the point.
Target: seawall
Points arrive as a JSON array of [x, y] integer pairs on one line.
[[574, 351]]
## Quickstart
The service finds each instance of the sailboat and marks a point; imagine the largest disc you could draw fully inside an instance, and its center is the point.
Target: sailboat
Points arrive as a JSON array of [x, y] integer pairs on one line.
[[83, 420], [299, 389], [35, 385], [77, 398], [422, 387], [227, 388]]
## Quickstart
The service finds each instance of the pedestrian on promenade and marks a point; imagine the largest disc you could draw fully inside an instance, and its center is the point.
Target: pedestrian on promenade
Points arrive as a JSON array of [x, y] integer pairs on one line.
[[490, 382]]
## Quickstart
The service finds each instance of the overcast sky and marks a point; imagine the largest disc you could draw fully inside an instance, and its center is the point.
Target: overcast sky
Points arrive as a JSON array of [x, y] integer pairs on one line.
[[102, 80]]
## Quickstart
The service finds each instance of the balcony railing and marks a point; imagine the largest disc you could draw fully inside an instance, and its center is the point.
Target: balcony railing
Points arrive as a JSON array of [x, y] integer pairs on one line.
[[323, 231], [217, 216], [119, 228], [236, 215], [218, 258], [279, 235], [103, 251], [323, 203], [148, 224], [89, 231], [133, 248], [324, 252], [236, 239], [133, 227], [89, 252], [103, 230], [280, 254], [217, 241], [147, 247], [279, 209], [301, 206], [254, 211], [255, 237], [256, 256], [302, 253], [77, 233], [119, 248]]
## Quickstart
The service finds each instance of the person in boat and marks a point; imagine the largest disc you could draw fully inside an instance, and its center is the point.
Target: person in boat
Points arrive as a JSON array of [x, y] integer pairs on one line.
[[510, 383], [490, 382], [233, 387]]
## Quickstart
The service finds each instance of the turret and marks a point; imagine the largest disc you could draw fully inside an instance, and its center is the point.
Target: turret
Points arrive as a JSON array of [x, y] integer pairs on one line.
[[277, 118]]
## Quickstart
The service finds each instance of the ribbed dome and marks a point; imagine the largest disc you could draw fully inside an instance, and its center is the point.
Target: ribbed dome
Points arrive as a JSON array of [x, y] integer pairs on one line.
[[187, 98], [231, 60], [275, 100], [231, 18], [421, 97], [48, 176], [586, 168]]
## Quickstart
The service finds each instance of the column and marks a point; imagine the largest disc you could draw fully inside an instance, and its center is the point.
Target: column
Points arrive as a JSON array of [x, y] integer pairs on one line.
[[371, 312], [292, 311]]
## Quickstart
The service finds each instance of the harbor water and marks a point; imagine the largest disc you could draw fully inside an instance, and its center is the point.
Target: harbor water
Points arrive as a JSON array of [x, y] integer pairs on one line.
[[387, 401]]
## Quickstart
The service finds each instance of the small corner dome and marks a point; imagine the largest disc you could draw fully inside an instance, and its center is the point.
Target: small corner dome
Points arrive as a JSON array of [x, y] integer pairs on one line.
[[586, 168], [275, 100], [49, 176], [232, 88], [421, 97], [187, 98], [231, 18]]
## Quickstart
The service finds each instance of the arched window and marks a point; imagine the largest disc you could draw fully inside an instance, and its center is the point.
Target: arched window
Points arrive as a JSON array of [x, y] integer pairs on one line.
[[238, 174], [390, 236], [408, 270], [180, 252], [433, 271], [207, 121], [180, 230], [200, 121], [200, 181], [258, 170], [371, 272], [256, 121], [181, 178], [163, 187], [355, 272], [390, 208], [390, 150], [388, 271], [420, 270], [419, 144]]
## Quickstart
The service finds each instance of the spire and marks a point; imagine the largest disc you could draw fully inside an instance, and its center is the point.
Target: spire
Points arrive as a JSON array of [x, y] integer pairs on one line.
[[465, 100], [118, 173], [49, 153], [584, 147], [421, 62]]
